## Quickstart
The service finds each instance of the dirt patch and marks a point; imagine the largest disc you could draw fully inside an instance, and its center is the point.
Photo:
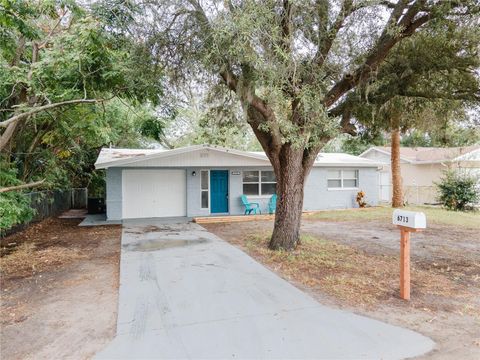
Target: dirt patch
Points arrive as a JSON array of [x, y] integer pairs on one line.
[[354, 265], [59, 290], [26, 260]]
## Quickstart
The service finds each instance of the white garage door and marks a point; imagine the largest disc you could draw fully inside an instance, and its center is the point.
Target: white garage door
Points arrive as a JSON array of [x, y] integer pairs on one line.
[[153, 193]]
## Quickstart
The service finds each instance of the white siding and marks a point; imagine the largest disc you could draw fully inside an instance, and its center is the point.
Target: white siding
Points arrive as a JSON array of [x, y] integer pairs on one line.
[[154, 193], [317, 195]]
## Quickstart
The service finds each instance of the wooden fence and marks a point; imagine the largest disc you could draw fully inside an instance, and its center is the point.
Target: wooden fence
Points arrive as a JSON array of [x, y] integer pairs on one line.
[[49, 203]]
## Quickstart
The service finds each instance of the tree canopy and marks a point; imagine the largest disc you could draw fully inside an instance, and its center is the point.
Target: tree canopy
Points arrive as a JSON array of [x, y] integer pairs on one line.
[[70, 83], [292, 66], [76, 76]]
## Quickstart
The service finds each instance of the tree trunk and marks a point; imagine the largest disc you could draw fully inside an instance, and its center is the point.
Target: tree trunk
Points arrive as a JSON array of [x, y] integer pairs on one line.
[[397, 191], [290, 174]]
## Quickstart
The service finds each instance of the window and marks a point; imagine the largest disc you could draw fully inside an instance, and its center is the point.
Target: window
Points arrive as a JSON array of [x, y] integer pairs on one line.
[[342, 179], [259, 183], [268, 183], [204, 185], [251, 183]]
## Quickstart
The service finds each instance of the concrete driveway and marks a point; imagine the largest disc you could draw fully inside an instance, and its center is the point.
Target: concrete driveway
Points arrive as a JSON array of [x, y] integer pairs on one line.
[[185, 293]]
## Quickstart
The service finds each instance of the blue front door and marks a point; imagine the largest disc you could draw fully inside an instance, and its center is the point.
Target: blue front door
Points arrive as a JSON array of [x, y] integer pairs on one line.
[[219, 191]]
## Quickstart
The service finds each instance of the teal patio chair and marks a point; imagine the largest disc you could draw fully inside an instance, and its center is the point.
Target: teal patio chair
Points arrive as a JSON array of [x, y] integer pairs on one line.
[[272, 204], [249, 207]]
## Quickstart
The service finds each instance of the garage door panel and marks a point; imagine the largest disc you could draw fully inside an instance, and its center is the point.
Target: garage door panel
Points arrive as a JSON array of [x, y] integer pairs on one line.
[[153, 193]]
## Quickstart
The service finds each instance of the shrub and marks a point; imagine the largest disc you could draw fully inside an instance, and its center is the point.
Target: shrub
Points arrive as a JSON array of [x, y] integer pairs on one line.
[[458, 191], [14, 205], [14, 209]]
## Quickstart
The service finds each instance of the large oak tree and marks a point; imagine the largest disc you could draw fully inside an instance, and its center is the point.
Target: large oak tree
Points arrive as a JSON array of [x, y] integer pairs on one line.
[[291, 65]]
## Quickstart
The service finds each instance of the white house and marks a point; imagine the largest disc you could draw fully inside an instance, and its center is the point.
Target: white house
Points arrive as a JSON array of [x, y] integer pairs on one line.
[[421, 168], [208, 180]]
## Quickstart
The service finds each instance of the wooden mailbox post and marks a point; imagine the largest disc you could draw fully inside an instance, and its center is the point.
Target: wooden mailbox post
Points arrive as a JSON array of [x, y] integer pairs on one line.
[[407, 222]]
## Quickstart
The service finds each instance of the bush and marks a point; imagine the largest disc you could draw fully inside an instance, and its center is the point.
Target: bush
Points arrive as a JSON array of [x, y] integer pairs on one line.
[[14, 210], [14, 205], [458, 191]]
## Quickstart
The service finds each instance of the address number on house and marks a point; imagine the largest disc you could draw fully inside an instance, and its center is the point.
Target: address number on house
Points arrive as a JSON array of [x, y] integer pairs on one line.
[[411, 219]]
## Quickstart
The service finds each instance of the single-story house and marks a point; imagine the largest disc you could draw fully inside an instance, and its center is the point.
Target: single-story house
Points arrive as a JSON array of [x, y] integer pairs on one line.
[[205, 180], [421, 168]]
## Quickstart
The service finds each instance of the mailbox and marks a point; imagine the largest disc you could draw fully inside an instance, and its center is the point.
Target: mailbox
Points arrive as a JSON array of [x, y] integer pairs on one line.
[[409, 219], [407, 222]]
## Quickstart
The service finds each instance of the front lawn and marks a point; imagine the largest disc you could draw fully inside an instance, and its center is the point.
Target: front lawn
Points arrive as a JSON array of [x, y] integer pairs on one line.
[[435, 215], [350, 259], [346, 273]]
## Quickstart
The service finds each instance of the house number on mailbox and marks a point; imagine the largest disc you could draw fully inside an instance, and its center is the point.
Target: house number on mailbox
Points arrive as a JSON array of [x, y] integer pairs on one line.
[[403, 219]]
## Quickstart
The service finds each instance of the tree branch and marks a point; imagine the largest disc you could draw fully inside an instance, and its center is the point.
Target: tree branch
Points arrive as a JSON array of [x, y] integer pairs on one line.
[[38, 109], [257, 110], [286, 23], [326, 41], [23, 186], [385, 43]]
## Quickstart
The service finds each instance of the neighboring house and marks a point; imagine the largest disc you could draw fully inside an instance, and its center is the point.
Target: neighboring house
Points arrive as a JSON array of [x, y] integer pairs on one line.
[[207, 180], [421, 168]]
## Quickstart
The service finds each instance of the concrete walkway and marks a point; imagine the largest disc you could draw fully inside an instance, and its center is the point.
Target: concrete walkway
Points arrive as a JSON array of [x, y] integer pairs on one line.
[[185, 293]]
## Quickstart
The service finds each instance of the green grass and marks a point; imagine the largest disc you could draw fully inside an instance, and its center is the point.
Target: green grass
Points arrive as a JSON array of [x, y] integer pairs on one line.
[[434, 215]]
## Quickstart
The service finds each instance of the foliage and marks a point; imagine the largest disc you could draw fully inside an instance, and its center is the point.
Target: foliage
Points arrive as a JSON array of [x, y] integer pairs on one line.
[[14, 206], [221, 123], [194, 115], [14, 209], [284, 59], [292, 66], [67, 148], [97, 184], [430, 91], [355, 145], [69, 53], [426, 92], [56, 51], [459, 191], [448, 136]]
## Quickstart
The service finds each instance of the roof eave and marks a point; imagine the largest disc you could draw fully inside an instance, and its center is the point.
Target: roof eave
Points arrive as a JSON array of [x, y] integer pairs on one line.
[[459, 158], [385, 153], [426, 162], [173, 152]]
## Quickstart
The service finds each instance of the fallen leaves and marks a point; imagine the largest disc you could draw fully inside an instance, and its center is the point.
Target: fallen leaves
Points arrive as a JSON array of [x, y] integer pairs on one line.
[[26, 260]]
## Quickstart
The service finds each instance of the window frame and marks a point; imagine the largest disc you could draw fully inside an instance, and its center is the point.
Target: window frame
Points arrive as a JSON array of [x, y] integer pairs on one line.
[[205, 190], [342, 178], [259, 182]]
